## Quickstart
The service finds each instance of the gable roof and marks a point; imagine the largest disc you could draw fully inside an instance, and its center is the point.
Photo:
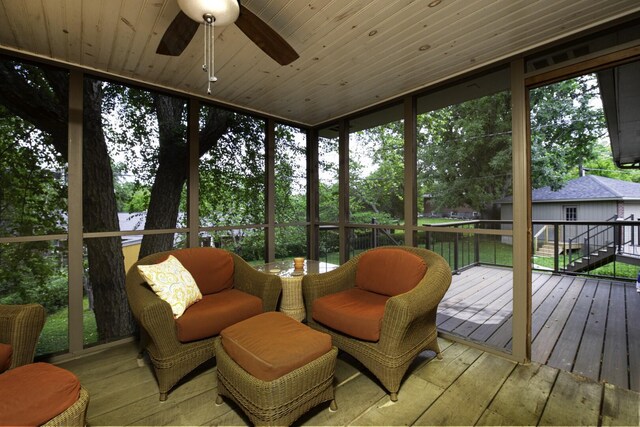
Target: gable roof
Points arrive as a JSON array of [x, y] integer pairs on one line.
[[586, 188]]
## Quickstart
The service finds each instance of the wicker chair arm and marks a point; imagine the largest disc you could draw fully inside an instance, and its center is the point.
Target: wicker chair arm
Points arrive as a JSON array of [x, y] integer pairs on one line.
[[20, 326], [265, 286], [416, 307], [152, 313]]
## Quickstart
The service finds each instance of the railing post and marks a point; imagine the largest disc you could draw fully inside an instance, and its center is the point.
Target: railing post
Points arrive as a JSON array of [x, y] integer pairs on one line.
[[556, 247], [374, 235], [476, 252], [455, 252]]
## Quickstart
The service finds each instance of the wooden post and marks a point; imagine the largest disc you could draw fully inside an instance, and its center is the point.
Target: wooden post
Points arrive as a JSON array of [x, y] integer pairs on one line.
[[75, 242], [521, 167], [270, 200]]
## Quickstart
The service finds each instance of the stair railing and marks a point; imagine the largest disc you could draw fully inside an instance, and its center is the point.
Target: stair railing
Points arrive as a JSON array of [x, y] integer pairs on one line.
[[544, 230], [593, 239]]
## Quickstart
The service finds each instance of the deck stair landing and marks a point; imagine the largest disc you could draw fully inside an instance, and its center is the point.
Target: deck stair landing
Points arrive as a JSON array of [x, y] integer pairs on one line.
[[548, 249]]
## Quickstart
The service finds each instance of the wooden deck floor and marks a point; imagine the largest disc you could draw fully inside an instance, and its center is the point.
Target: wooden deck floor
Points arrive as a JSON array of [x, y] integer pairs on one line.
[[587, 326], [466, 387]]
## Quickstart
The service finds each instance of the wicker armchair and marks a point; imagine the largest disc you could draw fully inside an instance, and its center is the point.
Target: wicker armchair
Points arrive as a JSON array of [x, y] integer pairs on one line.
[[408, 324], [171, 358], [20, 326]]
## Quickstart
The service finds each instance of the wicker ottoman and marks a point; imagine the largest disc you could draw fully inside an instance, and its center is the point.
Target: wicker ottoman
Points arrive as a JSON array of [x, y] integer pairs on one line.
[[275, 368], [42, 394]]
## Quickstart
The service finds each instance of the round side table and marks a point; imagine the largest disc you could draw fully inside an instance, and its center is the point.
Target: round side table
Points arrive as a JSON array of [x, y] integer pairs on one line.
[[292, 303]]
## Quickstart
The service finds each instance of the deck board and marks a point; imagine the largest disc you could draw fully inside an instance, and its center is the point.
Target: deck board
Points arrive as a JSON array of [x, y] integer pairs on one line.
[[620, 407], [577, 322], [568, 403], [633, 335], [549, 302], [477, 302], [464, 402], [590, 351], [614, 357], [515, 404], [563, 356], [466, 387], [545, 340]]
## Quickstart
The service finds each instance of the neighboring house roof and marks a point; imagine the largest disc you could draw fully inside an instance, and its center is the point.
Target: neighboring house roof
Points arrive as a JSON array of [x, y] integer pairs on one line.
[[131, 221], [586, 188]]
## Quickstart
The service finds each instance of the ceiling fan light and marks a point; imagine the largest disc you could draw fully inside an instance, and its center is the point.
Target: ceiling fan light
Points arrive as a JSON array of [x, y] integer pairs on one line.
[[224, 12]]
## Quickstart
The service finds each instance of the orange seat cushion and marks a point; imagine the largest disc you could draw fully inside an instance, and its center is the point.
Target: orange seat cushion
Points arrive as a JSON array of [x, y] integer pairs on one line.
[[5, 356], [214, 312], [272, 344], [354, 312], [34, 394], [389, 271], [211, 268]]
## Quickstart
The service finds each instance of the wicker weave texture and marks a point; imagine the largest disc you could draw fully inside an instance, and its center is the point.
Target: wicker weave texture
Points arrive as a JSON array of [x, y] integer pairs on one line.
[[74, 415], [20, 326], [408, 324], [283, 400], [292, 304], [171, 359]]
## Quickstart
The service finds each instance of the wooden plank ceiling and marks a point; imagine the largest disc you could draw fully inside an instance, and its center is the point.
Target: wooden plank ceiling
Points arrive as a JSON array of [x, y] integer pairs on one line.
[[353, 54]]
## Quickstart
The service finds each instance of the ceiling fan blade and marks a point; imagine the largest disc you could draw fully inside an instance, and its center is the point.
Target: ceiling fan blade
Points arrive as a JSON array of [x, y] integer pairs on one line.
[[265, 37], [178, 35]]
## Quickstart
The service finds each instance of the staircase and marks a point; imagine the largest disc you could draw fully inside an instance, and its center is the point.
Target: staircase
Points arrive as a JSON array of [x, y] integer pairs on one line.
[[547, 250], [598, 258]]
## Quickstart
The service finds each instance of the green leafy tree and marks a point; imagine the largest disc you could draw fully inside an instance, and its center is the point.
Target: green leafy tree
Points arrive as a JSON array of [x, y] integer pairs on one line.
[[378, 193], [602, 164], [465, 153], [39, 97], [328, 188], [566, 126], [32, 202]]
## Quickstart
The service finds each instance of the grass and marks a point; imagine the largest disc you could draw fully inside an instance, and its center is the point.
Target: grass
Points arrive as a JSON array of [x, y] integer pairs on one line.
[[55, 334], [613, 269]]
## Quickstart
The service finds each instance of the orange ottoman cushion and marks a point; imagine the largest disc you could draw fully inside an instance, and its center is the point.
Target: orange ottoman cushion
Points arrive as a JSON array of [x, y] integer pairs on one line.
[[272, 344], [354, 312], [5, 356], [34, 394]]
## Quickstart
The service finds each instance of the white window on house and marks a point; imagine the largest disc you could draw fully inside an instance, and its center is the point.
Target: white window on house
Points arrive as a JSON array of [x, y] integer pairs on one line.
[[571, 213]]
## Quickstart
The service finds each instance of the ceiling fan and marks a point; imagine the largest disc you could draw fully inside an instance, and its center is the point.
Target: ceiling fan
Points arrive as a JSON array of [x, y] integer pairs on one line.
[[223, 12]]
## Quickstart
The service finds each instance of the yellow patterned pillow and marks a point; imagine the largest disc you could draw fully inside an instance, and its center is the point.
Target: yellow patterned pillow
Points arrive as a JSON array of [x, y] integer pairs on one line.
[[173, 283]]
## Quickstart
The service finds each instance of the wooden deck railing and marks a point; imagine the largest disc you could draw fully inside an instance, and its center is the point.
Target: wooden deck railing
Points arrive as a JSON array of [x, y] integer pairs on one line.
[[570, 241]]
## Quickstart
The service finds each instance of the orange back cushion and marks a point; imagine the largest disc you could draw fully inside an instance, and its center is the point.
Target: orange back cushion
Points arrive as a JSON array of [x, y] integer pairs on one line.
[[389, 271], [211, 268]]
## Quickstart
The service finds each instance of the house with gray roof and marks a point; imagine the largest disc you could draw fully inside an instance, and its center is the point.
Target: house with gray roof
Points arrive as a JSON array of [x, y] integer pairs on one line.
[[587, 198]]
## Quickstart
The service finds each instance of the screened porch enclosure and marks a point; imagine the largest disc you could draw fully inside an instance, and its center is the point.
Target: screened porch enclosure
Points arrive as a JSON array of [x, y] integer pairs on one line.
[[305, 161]]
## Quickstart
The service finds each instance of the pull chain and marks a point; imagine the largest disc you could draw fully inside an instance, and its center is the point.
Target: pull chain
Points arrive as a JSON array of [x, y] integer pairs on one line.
[[209, 36]]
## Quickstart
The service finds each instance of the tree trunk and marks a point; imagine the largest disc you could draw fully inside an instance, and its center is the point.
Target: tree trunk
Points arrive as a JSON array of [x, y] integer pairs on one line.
[[106, 261], [173, 167], [39, 95]]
